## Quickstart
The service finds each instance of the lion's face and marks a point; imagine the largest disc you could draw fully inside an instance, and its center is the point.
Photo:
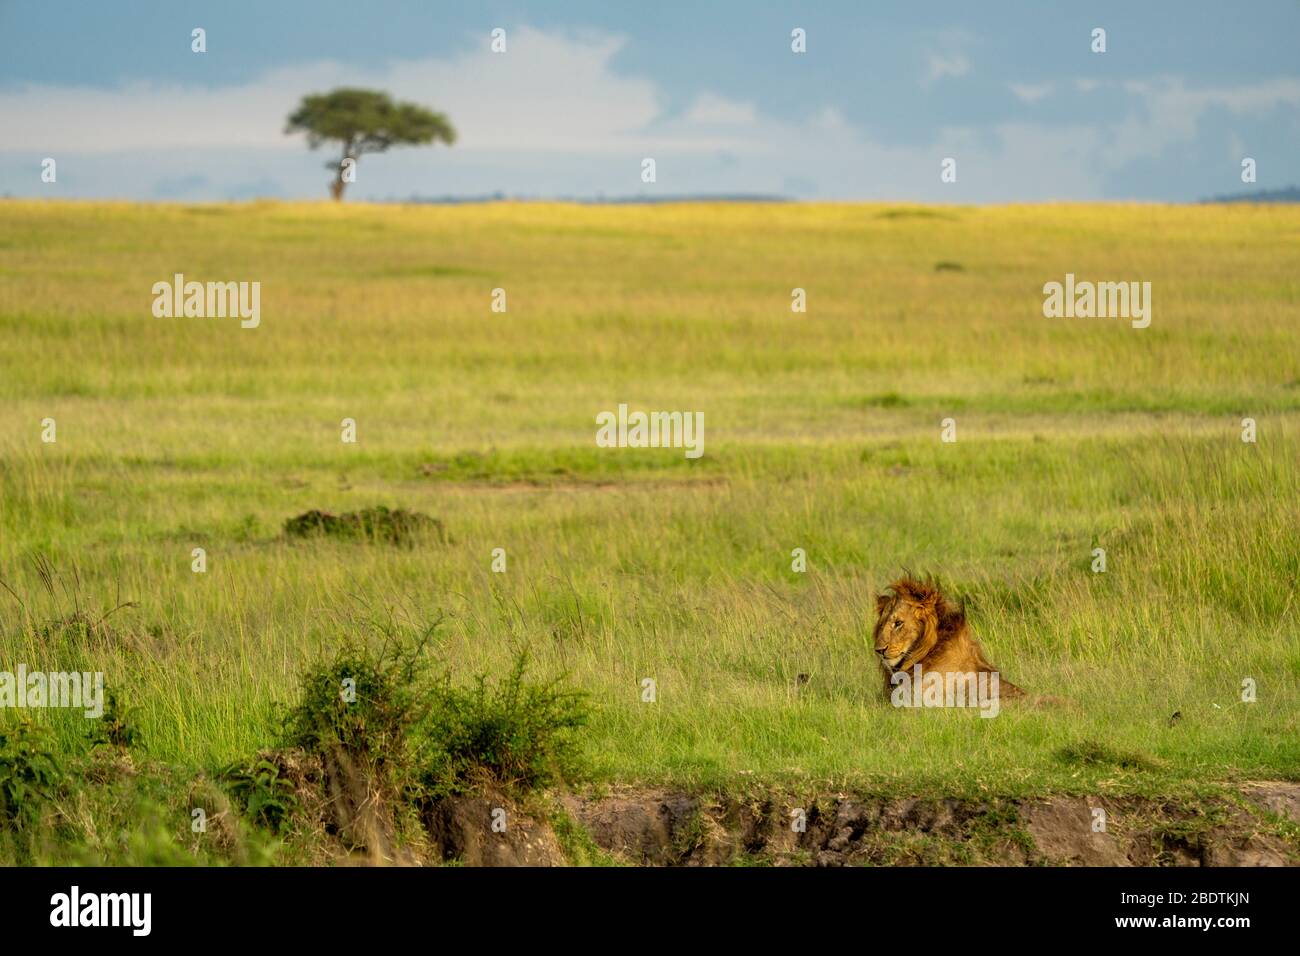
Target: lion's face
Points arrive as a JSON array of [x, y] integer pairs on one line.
[[900, 628]]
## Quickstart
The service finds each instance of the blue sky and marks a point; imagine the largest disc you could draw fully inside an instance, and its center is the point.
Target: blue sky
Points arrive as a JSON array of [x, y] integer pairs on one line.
[[710, 90]]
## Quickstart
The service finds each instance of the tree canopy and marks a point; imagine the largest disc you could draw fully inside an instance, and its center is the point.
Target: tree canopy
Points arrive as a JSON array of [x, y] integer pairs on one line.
[[365, 121]]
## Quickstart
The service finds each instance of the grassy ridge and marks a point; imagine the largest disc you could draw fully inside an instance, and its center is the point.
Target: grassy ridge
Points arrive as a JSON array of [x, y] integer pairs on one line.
[[821, 433]]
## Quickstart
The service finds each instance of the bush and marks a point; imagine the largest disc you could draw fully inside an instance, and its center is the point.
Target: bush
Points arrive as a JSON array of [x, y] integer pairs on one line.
[[515, 733], [29, 775], [386, 713], [115, 728], [361, 701], [262, 793], [353, 716], [390, 738], [381, 524]]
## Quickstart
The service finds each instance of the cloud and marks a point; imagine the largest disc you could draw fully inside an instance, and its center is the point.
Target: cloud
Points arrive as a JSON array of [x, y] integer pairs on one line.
[[555, 116], [1031, 93], [709, 109], [1169, 112], [829, 119], [942, 66], [1170, 96], [551, 91]]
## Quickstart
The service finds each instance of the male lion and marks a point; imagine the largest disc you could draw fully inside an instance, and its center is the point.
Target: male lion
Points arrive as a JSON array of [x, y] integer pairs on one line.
[[915, 624]]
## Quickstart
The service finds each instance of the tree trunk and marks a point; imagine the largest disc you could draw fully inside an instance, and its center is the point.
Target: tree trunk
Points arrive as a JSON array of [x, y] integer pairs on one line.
[[337, 187], [339, 184]]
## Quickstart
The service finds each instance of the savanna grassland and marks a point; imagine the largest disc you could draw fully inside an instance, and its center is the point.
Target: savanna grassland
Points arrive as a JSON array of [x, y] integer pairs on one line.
[[822, 432]]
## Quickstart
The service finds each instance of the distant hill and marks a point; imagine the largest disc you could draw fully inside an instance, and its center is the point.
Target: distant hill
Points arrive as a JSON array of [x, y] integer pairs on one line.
[[1289, 194]]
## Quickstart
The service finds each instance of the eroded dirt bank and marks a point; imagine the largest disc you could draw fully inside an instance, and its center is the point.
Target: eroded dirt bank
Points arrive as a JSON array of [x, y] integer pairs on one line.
[[1256, 825]]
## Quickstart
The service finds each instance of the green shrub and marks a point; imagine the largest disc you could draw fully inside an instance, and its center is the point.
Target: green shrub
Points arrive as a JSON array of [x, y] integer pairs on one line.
[[387, 713], [114, 728], [516, 733], [30, 775], [390, 736], [381, 524], [261, 792], [361, 701]]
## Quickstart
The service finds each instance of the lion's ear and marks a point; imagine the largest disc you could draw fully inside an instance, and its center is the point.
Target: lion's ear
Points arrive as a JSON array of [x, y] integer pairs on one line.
[[930, 601], [882, 601]]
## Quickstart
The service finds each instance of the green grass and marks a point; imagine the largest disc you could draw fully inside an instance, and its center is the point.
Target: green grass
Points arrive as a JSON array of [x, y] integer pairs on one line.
[[822, 433]]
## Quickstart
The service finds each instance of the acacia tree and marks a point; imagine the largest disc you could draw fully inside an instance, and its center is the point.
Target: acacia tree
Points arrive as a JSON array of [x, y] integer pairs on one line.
[[364, 121]]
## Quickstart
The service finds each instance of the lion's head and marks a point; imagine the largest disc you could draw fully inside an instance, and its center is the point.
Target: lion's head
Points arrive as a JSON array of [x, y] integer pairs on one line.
[[907, 622], [917, 626]]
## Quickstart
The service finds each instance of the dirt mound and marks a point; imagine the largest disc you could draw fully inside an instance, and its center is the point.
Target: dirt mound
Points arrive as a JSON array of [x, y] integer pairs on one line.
[[674, 828], [490, 831], [391, 526], [1276, 796], [662, 828], [643, 828], [341, 804]]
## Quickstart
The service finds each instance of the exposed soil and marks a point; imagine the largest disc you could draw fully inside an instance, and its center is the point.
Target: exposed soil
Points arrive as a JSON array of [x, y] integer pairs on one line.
[[1254, 824], [668, 828], [485, 831]]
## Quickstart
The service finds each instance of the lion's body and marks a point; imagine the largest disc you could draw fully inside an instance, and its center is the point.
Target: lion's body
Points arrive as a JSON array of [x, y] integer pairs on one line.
[[915, 624]]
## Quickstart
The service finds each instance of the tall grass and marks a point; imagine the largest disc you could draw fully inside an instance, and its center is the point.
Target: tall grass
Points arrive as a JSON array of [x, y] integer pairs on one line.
[[822, 434]]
